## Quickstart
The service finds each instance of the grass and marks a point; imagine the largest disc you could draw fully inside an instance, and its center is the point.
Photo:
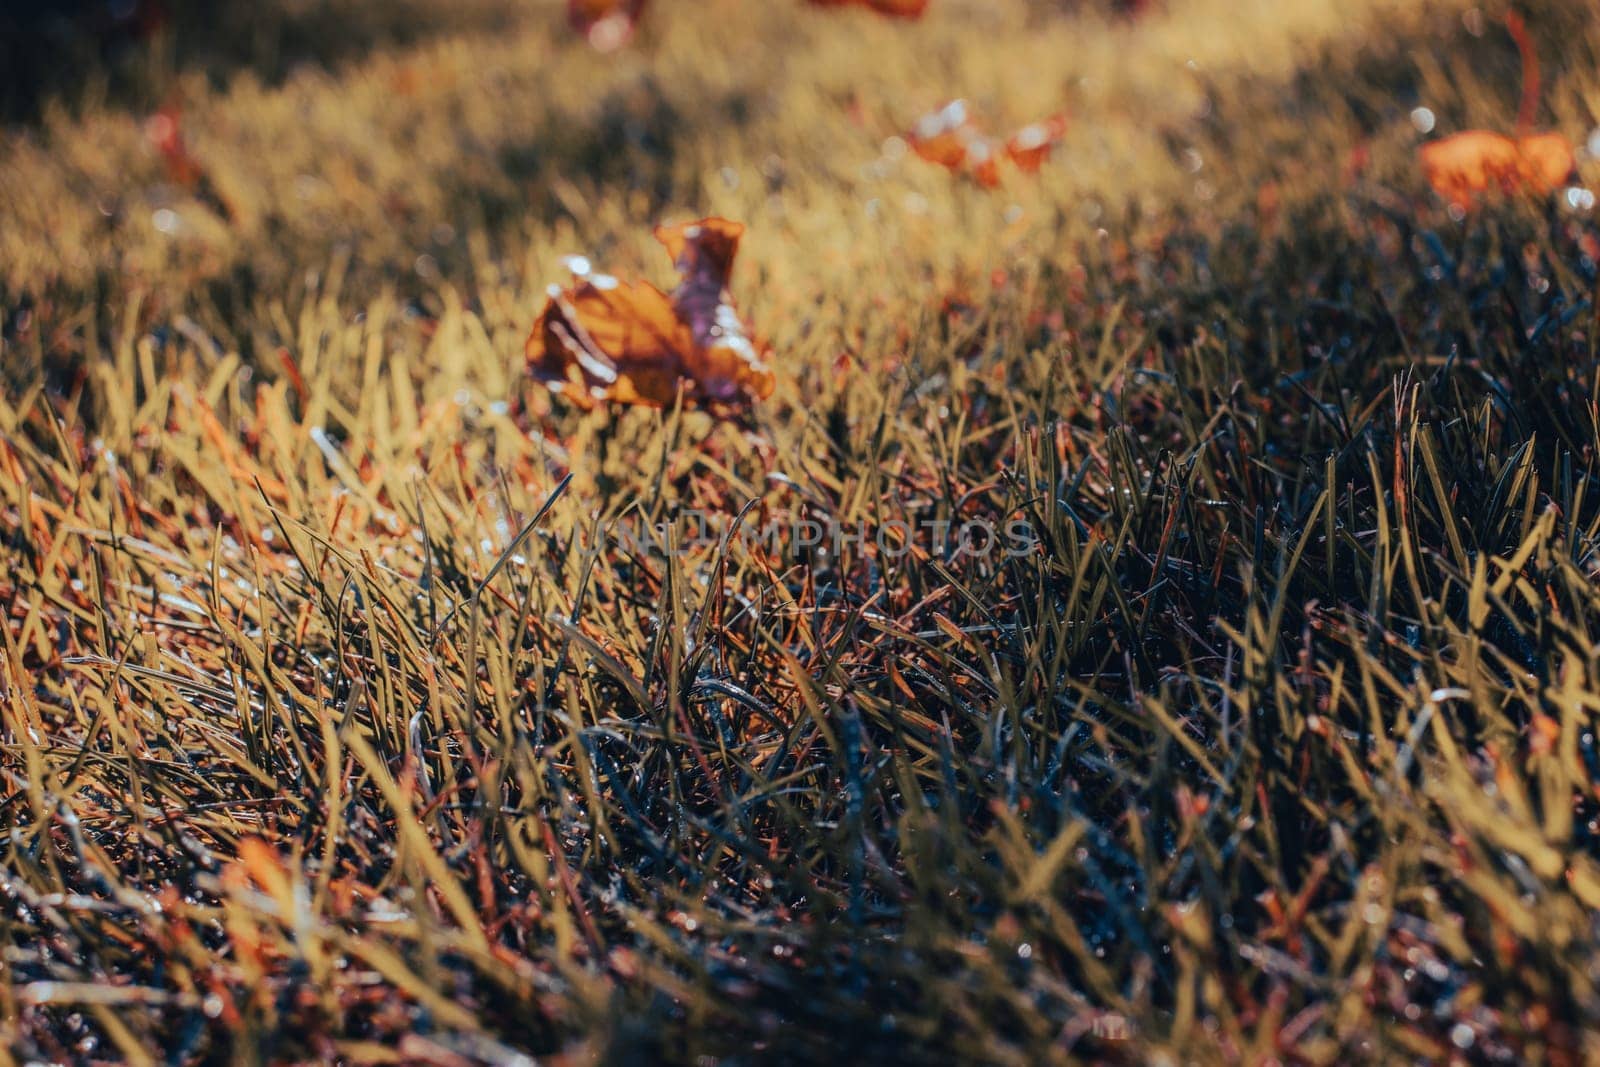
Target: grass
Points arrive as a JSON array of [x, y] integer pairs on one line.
[[341, 717]]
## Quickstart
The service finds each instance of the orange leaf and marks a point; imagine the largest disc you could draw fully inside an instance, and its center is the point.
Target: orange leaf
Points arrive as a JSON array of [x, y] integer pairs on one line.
[[945, 136], [1548, 160], [1030, 146], [607, 24], [630, 343], [984, 164], [1464, 167], [951, 138]]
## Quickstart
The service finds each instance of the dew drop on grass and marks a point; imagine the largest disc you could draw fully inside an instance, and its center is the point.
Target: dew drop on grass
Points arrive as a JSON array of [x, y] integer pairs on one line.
[[1423, 119], [165, 220]]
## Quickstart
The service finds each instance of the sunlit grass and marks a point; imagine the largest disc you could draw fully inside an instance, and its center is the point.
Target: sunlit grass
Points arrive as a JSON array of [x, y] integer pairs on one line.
[[340, 716]]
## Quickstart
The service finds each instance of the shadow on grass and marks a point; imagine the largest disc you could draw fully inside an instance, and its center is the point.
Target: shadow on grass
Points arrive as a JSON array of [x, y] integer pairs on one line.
[[125, 53]]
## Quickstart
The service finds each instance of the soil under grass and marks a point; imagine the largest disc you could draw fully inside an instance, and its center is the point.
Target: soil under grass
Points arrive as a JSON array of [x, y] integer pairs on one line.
[[361, 700]]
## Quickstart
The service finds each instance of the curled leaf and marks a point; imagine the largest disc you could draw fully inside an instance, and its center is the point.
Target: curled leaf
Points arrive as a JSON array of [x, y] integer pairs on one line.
[[1465, 167], [606, 24], [630, 343]]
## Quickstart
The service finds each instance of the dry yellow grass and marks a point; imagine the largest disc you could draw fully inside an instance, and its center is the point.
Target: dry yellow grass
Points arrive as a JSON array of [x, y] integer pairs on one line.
[[334, 725]]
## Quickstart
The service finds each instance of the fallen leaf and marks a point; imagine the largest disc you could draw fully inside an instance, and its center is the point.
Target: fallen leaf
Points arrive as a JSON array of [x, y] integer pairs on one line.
[[630, 343], [951, 138], [1030, 146], [606, 24], [1548, 160], [1464, 167]]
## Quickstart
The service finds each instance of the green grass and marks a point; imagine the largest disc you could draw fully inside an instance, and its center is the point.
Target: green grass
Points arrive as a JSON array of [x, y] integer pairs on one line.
[[1280, 744]]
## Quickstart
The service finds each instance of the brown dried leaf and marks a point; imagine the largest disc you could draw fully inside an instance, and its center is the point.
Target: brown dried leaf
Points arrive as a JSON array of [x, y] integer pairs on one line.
[[630, 343]]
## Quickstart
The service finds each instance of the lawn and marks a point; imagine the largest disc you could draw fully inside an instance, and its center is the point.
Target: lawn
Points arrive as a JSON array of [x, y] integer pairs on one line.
[[1147, 608]]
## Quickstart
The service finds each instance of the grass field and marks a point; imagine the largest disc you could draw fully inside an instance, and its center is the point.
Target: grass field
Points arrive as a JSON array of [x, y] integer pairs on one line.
[[363, 700]]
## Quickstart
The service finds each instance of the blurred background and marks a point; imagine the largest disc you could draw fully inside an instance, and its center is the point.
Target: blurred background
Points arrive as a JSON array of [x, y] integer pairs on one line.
[[194, 156], [86, 51], [124, 51]]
